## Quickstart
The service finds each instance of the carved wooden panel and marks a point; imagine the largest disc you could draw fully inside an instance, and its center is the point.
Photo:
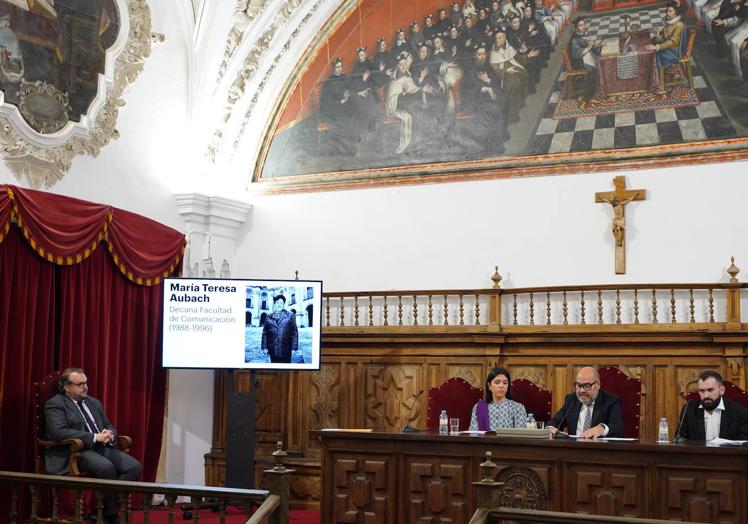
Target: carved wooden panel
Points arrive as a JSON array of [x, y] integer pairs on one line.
[[389, 395], [701, 495], [607, 490], [535, 374], [361, 489], [524, 487], [270, 410], [436, 490], [305, 483]]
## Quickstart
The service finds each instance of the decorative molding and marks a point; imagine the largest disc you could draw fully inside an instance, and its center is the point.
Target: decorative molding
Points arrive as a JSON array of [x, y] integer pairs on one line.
[[249, 67], [245, 12], [43, 159]]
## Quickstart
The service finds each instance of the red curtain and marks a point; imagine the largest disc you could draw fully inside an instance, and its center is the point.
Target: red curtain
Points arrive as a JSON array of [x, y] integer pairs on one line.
[[64, 302]]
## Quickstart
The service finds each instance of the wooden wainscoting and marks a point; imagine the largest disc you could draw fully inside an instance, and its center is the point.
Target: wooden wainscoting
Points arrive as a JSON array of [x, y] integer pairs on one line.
[[380, 349]]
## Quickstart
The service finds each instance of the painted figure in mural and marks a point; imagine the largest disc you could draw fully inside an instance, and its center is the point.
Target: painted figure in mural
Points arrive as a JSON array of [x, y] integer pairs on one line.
[[383, 64], [335, 110], [416, 36], [728, 18], [442, 25], [484, 99], [404, 100], [544, 17], [425, 71], [583, 52], [366, 108], [537, 36], [401, 43], [469, 34], [455, 15], [429, 29], [510, 72], [62, 43], [528, 56], [668, 43]]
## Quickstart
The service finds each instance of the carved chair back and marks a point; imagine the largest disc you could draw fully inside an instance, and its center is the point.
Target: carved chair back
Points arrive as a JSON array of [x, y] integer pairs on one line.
[[536, 400], [613, 380], [456, 396]]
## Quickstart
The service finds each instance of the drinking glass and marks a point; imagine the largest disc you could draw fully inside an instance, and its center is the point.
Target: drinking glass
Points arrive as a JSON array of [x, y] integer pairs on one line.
[[454, 426]]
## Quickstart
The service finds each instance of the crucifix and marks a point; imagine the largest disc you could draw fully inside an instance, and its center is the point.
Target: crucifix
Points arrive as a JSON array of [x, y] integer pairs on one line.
[[618, 200]]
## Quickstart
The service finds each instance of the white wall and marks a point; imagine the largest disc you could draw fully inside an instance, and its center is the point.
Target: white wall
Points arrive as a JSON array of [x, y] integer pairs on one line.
[[540, 231]]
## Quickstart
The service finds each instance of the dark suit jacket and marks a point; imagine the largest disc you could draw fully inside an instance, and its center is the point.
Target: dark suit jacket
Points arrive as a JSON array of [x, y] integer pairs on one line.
[[733, 424], [607, 411], [64, 421]]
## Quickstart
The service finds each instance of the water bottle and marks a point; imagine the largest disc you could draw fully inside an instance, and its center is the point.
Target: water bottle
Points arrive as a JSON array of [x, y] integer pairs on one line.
[[662, 432], [530, 421], [443, 423]]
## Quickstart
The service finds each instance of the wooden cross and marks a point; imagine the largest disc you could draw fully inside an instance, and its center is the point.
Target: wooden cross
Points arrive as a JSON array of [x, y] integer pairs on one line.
[[618, 200]]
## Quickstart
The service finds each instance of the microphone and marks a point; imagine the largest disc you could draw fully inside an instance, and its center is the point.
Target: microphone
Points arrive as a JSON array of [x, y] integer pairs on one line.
[[407, 428], [559, 434], [677, 438]]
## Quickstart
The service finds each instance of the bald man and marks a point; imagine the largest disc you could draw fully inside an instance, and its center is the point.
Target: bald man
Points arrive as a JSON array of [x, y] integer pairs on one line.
[[589, 412]]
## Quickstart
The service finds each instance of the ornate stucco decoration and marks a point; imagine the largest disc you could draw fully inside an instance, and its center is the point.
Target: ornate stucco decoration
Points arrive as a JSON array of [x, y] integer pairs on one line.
[[37, 139], [252, 62], [244, 14]]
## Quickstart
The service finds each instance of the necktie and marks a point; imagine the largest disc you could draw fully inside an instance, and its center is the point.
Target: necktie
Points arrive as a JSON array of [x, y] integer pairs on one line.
[[587, 418], [89, 421]]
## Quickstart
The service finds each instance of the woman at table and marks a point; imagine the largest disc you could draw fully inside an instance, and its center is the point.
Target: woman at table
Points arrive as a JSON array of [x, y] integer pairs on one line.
[[498, 410]]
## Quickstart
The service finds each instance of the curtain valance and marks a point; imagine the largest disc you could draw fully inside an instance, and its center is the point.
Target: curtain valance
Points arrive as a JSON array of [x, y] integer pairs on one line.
[[65, 231]]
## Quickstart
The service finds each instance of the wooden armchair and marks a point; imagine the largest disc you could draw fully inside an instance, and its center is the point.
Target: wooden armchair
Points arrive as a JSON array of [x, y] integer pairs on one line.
[[43, 391], [615, 381], [576, 79], [457, 396], [536, 400]]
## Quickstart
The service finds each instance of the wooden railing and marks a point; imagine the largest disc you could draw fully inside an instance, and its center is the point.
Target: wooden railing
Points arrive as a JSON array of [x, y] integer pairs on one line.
[[684, 306], [272, 504]]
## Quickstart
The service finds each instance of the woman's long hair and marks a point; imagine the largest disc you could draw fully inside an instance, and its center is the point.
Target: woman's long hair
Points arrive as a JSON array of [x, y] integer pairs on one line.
[[492, 375]]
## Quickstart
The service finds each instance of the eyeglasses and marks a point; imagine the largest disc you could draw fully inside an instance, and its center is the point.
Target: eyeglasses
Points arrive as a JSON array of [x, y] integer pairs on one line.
[[79, 384], [585, 387]]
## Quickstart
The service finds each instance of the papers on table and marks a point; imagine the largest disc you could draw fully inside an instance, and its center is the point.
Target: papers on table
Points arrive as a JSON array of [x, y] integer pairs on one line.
[[474, 432], [609, 46], [725, 442]]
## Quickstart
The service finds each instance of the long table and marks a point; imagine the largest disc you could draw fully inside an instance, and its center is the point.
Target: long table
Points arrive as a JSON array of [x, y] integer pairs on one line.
[[622, 73], [382, 477]]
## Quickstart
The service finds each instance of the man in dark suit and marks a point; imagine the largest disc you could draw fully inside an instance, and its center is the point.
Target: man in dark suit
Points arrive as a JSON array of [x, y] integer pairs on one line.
[[714, 416], [280, 336], [72, 414], [589, 412]]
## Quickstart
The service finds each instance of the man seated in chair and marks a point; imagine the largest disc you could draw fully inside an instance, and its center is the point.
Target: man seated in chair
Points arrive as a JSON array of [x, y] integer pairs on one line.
[[589, 412], [583, 52], [668, 43], [714, 415], [72, 414]]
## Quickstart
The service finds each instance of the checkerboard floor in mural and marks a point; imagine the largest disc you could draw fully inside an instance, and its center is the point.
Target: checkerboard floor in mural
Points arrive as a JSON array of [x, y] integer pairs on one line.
[[617, 130]]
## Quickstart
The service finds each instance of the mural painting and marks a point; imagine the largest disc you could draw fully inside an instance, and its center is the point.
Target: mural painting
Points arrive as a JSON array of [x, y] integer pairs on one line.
[[426, 88], [51, 55]]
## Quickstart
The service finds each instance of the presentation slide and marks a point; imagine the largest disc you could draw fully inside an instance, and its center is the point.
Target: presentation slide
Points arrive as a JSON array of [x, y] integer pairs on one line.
[[241, 324]]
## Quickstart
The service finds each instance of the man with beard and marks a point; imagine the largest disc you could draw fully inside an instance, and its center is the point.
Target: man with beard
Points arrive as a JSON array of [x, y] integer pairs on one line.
[[483, 98], [416, 36], [713, 416], [668, 41], [529, 58], [589, 412], [365, 105], [335, 108]]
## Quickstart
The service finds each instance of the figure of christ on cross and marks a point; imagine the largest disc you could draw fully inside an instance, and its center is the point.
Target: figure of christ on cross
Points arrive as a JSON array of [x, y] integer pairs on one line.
[[618, 200]]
